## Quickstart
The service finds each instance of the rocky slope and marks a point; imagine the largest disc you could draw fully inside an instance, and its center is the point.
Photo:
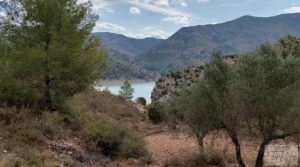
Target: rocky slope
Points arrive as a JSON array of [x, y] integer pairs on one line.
[[171, 84], [194, 45]]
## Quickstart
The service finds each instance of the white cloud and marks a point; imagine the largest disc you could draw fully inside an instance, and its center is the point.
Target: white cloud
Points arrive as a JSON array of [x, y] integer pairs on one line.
[[174, 15], [148, 32], [168, 2], [179, 2], [204, 1], [161, 2], [105, 26], [157, 9], [135, 10], [295, 9], [182, 20]]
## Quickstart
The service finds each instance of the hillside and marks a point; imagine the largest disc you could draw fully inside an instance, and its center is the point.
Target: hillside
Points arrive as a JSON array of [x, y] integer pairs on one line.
[[122, 54], [194, 45], [125, 45], [121, 68]]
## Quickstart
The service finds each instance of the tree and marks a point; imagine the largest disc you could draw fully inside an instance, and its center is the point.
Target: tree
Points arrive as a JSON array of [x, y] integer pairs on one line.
[[208, 105], [141, 100], [289, 46], [196, 106], [269, 92], [126, 90], [52, 55]]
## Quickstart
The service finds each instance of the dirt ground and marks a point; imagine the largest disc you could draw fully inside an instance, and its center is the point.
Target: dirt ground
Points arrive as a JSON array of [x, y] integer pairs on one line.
[[166, 145]]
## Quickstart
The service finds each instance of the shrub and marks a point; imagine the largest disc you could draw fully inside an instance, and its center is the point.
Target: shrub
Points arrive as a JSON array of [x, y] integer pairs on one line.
[[114, 141], [156, 113], [203, 159], [141, 101]]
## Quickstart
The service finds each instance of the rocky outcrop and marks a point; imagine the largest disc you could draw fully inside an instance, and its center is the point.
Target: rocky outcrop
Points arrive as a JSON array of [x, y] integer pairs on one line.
[[171, 84]]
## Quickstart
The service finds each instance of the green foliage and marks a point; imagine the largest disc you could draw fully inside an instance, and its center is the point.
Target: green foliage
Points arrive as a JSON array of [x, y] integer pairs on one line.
[[268, 91], [126, 91], [116, 141], [141, 101], [106, 90], [268, 87], [202, 105], [156, 113], [51, 56], [289, 46]]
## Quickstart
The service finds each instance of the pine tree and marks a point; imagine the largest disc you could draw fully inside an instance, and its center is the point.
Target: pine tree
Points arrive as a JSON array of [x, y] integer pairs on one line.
[[52, 52], [126, 90]]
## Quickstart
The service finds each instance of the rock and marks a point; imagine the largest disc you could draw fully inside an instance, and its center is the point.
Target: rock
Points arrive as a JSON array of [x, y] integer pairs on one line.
[[172, 83], [4, 151]]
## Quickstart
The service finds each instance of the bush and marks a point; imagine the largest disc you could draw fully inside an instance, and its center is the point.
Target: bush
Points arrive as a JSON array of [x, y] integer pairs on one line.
[[204, 159], [156, 113], [114, 141], [141, 101]]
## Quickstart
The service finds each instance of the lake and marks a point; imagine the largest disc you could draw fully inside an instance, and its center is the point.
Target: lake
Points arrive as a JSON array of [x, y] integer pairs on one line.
[[140, 90]]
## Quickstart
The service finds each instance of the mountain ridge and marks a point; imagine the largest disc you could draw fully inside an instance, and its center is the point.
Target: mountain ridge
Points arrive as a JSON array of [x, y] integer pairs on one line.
[[193, 45]]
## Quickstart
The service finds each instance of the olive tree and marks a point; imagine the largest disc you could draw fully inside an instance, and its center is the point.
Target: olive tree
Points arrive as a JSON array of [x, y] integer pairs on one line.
[[267, 86], [196, 106], [209, 104]]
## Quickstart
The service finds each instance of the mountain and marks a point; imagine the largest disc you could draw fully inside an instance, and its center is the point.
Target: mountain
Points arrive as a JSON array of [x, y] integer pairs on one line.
[[125, 45], [194, 45], [122, 52]]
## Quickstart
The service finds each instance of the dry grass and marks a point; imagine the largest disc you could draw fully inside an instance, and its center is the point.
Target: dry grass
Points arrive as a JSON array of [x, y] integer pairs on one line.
[[95, 123]]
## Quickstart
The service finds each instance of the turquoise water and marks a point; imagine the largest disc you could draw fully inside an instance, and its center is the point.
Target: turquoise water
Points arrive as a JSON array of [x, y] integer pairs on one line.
[[140, 90]]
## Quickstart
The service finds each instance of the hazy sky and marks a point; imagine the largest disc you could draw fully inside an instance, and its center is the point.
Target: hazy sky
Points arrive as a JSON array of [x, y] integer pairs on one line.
[[162, 18]]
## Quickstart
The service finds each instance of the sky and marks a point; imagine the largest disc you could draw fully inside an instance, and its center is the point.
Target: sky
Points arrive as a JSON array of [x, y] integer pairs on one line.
[[162, 18]]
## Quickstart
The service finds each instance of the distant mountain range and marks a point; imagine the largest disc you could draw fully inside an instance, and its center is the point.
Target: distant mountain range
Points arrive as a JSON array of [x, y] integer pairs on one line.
[[123, 52], [194, 45]]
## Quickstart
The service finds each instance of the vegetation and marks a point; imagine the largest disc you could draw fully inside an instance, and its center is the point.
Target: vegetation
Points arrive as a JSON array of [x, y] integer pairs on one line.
[[97, 132], [156, 113], [49, 62], [268, 89], [141, 101], [49, 53], [126, 91], [206, 106], [260, 92]]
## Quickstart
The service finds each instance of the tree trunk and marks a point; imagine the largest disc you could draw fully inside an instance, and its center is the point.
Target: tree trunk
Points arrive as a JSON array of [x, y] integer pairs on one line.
[[237, 145], [261, 153], [200, 138], [48, 100], [200, 143]]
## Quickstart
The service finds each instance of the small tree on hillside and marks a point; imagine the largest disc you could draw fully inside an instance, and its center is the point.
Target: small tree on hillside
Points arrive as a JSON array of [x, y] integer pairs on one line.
[[141, 101], [268, 89], [126, 91]]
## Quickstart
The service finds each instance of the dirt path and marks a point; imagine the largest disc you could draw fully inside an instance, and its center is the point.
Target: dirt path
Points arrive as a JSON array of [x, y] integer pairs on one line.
[[164, 146]]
